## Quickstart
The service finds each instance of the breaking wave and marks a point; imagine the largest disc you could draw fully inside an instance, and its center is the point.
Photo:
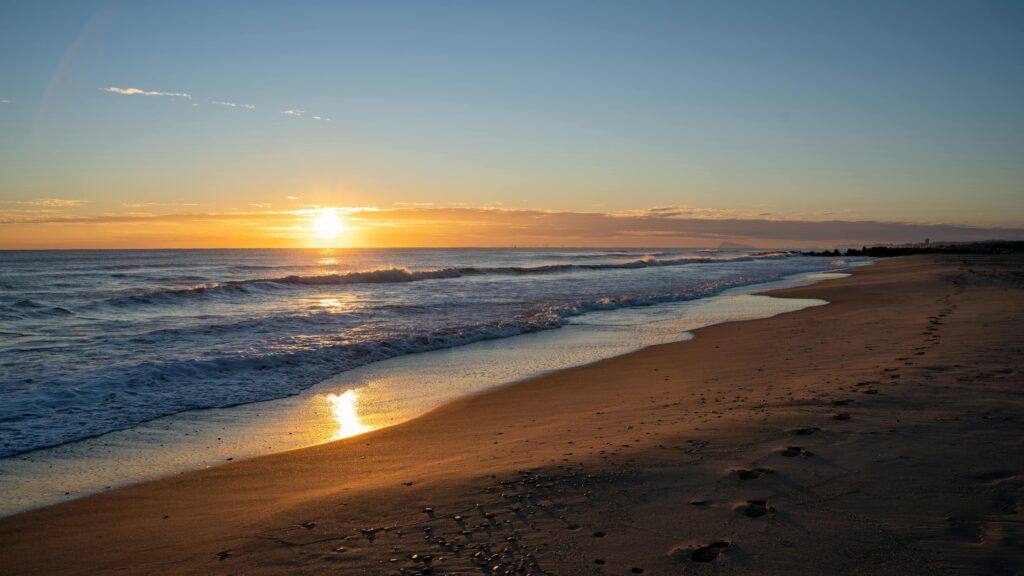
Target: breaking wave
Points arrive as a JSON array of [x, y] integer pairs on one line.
[[403, 275]]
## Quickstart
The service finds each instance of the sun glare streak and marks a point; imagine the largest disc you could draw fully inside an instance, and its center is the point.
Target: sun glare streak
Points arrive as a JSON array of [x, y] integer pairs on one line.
[[343, 408]]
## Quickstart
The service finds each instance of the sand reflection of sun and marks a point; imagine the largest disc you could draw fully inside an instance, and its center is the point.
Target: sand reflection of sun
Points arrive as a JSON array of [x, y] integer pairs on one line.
[[343, 408]]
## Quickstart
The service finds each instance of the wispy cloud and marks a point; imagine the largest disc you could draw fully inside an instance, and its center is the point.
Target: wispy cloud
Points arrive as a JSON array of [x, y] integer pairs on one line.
[[5, 101], [683, 211], [302, 114], [153, 204], [233, 104], [140, 92], [293, 112], [46, 202], [36, 209]]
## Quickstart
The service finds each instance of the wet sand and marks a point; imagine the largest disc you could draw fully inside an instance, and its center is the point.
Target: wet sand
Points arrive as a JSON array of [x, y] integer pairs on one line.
[[881, 434]]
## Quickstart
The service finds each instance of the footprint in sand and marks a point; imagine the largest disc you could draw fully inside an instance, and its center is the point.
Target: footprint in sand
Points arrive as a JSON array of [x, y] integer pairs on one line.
[[757, 508], [706, 553], [996, 476], [805, 431], [745, 475], [793, 451]]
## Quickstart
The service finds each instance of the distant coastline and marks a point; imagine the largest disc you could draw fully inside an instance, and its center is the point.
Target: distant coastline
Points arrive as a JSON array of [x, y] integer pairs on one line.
[[888, 251]]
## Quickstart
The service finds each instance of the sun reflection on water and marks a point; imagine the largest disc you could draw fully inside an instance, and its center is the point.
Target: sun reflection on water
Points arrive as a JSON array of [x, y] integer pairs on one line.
[[332, 304], [335, 303], [343, 408]]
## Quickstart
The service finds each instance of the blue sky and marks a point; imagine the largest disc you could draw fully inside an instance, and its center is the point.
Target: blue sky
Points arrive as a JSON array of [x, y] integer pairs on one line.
[[893, 111]]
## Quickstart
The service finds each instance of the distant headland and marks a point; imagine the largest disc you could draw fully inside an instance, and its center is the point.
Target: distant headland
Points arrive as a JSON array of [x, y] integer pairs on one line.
[[927, 247]]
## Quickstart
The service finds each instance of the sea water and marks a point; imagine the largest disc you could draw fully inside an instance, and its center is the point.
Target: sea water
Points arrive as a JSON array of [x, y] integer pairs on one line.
[[93, 342]]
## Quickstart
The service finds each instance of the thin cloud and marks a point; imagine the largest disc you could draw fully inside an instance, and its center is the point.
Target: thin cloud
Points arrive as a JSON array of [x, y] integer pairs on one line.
[[47, 202], [140, 92], [152, 204], [5, 101], [684, 212], [595, 228], [233, 104], [146, 217], [302, 114]]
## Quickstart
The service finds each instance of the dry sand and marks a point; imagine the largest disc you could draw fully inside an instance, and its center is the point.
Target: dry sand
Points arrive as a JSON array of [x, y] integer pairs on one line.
[[881, 434]]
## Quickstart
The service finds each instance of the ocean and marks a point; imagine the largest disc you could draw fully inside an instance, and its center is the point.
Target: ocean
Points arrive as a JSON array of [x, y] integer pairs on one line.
[[97, 341]]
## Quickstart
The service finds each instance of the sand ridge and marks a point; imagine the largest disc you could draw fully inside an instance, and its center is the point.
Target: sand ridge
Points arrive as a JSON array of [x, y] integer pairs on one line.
[[881, 434]]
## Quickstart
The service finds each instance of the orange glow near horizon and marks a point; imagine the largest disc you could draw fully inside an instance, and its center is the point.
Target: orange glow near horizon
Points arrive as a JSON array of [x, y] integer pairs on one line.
[[64, 226]]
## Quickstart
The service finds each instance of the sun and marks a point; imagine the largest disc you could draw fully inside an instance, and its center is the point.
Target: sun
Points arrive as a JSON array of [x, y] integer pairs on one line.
[[327, 224]]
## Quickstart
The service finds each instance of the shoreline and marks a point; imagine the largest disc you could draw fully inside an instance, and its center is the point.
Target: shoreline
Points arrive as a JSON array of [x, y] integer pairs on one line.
[[655, 460], [384, 393]]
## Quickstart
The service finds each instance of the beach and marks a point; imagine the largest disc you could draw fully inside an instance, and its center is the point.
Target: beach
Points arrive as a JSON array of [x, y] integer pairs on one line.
[[878, 434]]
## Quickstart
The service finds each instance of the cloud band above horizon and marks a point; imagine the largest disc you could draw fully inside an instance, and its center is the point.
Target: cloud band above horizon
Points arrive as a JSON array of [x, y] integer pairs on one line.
[[470, 226]]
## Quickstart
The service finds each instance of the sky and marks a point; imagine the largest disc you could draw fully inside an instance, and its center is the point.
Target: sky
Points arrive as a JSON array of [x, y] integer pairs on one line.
[[448, 123]]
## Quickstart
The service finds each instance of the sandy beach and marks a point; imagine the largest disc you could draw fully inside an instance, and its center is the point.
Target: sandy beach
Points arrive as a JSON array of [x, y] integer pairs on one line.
[[880, 434]]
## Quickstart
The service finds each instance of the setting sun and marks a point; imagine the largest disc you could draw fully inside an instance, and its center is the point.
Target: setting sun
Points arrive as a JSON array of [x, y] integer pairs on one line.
[[327, 225]]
